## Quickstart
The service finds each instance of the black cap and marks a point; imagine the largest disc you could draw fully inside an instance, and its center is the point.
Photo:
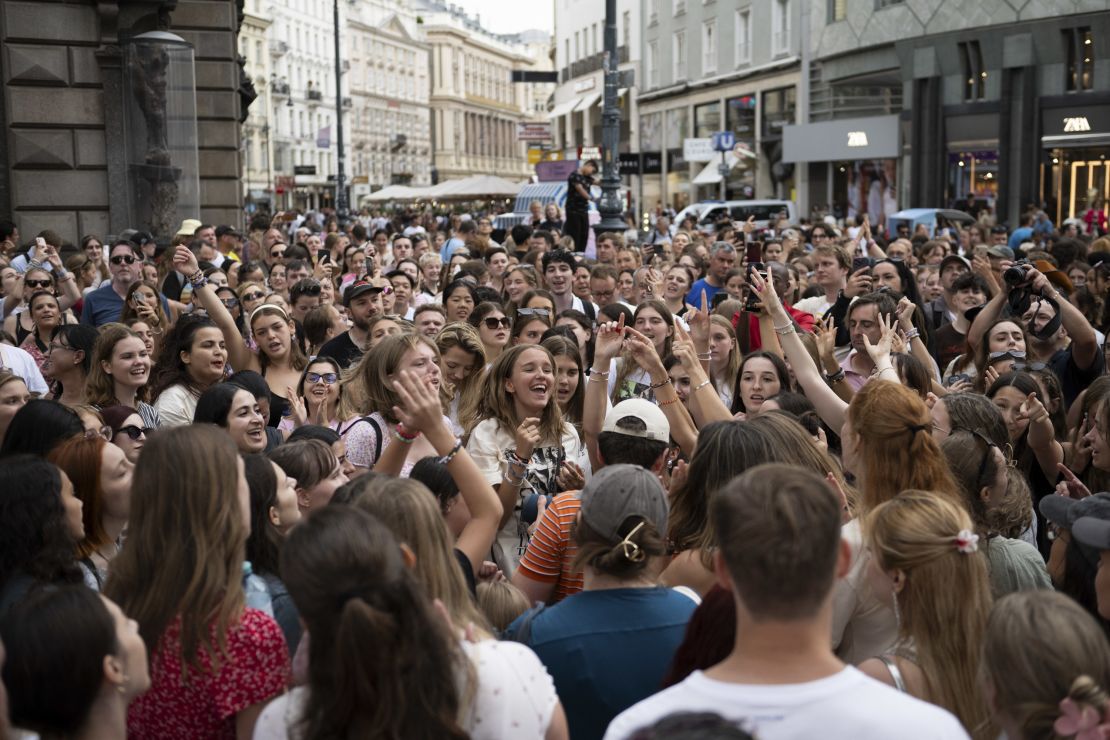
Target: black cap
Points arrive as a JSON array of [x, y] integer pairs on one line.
[[361, 287], [141, 238], [225, 230]]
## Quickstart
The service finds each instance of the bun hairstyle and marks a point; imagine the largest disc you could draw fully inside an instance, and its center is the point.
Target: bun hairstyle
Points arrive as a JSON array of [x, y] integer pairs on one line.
[[624, 559], [1029, 686]]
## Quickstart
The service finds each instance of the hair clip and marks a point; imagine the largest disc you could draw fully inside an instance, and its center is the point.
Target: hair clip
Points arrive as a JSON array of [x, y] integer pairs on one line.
[[967, 542], [1081, 721], [632, 551]]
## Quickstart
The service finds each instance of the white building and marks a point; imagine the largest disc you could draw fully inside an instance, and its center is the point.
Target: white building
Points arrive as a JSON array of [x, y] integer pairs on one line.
[[302, 99], [258, 176], [475, 104], [579, 50]]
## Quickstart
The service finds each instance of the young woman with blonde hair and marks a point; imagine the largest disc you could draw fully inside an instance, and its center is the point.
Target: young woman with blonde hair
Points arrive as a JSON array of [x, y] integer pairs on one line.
[[214, 661], [369, 399], [927, 566], [462, 364], [1029, 690], [724, 358], [521, 442]]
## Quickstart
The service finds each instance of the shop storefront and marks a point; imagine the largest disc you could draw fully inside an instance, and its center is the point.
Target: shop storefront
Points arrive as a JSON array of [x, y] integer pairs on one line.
[[859, 160], [779, 110], [972, 163], [1074, 172]]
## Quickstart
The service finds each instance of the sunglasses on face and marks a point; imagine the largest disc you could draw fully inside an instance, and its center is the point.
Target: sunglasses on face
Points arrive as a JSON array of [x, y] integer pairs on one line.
[[230, 302], [277, 253], [254, 296], [326, 378], [133, 432], [545, 313], [491, 323], [123, 259], [37, 283], [1010, 354]]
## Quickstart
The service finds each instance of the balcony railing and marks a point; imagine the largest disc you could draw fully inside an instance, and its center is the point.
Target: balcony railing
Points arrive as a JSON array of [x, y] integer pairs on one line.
[[315, 95], [281, 88], [348, 103], [590, 64], [278, 48]]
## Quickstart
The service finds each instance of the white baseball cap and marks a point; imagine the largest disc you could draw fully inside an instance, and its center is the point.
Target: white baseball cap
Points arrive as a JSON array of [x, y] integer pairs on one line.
[[654, 421]]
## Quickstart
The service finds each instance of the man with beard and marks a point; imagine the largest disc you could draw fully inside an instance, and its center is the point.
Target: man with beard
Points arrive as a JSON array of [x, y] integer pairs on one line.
[[363, 300]]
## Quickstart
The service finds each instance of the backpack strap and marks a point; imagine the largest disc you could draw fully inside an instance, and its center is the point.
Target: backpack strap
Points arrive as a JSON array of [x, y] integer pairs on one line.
[[523, 632], [377, 433]]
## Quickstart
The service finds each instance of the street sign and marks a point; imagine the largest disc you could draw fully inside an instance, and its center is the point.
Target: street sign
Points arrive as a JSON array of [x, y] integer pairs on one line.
[[743, 150], [697, 150], [555, 171], [723, 141], [629, 163], [304, 169], [533, 131]]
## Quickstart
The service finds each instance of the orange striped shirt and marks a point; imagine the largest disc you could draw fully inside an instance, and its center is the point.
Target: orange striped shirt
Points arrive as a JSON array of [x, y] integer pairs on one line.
[[551, 551]]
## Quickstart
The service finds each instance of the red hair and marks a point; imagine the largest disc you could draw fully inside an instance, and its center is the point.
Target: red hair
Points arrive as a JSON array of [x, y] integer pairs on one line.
[[80, 459]]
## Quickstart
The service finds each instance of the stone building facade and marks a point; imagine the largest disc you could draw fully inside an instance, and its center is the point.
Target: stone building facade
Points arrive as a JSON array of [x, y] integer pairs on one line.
[[63, 164]]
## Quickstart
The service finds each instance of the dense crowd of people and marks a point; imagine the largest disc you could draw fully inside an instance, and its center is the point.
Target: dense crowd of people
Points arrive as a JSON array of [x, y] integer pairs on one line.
[[412, 477]]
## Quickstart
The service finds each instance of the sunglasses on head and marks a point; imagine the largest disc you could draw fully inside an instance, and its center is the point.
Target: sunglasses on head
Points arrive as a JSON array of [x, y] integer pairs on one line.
[[37, 283], [124, 259], [133, 432], [491, 323], [104, 431], [312, 288], [545, 313], [254, 296], [327, 378]]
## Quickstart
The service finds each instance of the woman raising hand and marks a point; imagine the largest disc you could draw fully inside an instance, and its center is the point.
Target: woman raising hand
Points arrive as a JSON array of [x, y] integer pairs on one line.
[[279, 358]]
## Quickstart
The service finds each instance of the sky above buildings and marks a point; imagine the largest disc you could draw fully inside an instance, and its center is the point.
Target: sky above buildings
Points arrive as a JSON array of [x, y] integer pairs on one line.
[[510, 16]]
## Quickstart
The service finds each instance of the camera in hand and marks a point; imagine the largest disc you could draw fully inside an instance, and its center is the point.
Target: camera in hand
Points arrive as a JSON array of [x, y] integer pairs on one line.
[[1017, 273]]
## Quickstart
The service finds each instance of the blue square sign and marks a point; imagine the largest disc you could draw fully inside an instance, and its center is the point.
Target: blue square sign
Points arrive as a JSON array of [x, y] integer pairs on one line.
[[723, 141]]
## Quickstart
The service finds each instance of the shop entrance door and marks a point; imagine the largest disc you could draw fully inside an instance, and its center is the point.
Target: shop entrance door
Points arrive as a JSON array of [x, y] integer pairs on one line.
[[1076, 179]]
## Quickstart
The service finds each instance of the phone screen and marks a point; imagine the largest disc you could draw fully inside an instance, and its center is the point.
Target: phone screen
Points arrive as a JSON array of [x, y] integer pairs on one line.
[[755, 252], [858, 263]]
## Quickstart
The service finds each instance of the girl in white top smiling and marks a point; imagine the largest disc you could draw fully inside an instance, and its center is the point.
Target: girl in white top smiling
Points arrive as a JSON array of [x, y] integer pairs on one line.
[[521, 443], [119, 372]]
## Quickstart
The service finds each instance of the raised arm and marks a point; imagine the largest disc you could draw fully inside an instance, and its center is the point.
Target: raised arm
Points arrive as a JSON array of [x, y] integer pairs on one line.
[[238, 353], [1041, 437], [682, 426], [607, 345], [705, 403], [830, 407], [421, 412]]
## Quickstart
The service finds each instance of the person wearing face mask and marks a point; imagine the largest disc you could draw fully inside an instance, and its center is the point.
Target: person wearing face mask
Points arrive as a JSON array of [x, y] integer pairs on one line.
[[1059, 334], [74, 664]]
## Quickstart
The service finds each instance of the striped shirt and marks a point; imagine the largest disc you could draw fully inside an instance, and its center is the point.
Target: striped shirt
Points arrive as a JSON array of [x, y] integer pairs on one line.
[[551, 551]]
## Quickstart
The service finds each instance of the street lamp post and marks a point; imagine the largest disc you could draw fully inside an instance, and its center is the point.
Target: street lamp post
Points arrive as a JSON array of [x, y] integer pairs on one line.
[[342, 209], [610, 203]]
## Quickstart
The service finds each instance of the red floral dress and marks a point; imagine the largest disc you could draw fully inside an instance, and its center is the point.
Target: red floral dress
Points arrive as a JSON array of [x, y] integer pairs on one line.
[[256, 668]]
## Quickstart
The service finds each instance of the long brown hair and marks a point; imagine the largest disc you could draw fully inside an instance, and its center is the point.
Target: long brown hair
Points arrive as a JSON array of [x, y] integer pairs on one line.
[[100, 387], [627, 364], [498, 403], [367, 389], [185, 546], [374, 631], [946, 598], [898, 451], [80, 459]]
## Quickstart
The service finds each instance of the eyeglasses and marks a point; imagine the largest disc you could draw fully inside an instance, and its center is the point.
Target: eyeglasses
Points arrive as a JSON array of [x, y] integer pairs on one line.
[[254, 296], [37, 283], [326, 378], [105, 432], [545, 313], [123, 259], [491, 323], [55, 346], [230, 302], [133, 432], [1030, 367]]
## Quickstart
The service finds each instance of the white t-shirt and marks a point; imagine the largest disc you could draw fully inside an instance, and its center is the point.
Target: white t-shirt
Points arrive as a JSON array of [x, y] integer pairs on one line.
[[816, 305], [844, 706], [176, 406], [515, 697], [489, 444], [20, 362]]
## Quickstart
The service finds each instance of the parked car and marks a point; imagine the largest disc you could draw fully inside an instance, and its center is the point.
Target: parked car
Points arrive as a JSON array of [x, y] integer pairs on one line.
[[709, 212], [544, 192], [932, 218]]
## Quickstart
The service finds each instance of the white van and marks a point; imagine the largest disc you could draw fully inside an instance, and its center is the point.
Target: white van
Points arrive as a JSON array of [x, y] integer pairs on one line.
[[709, 212]]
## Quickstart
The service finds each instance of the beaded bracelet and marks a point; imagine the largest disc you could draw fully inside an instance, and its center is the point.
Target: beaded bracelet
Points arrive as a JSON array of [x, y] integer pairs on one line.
[[912, 334], [676, 399], [402, 438], [700, 385], [835, 377], [784, 330], [656, 386], [451, 455], [405, 433], [599, 373]]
